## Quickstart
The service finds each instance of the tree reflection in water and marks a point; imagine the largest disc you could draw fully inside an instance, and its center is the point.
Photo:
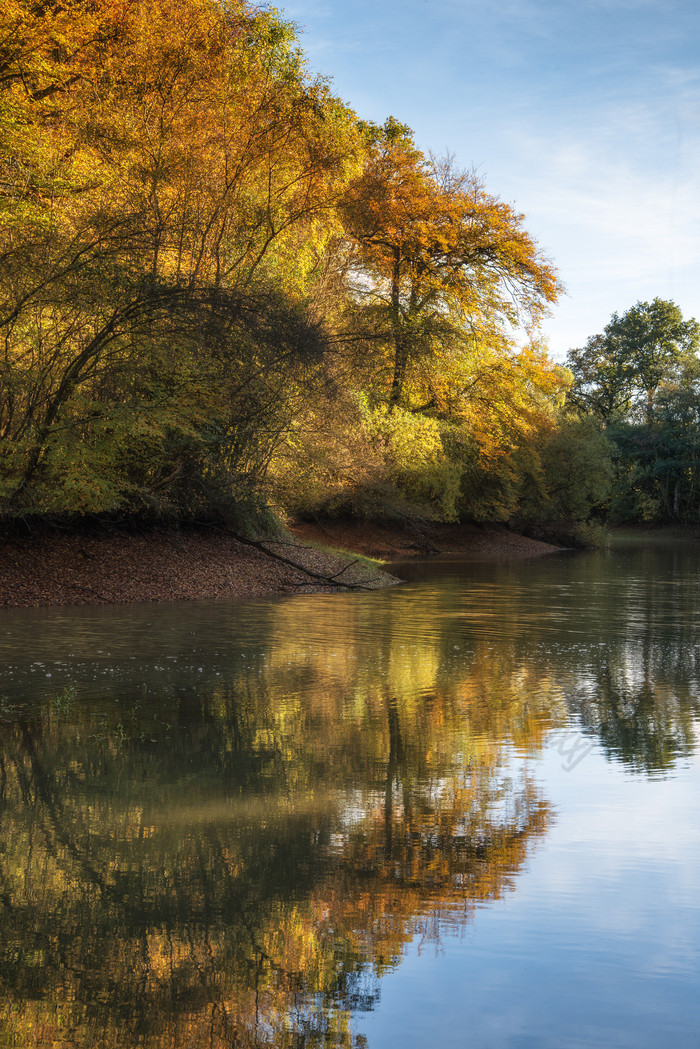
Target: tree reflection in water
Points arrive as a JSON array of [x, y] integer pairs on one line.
[[245, 877], [238, 857]]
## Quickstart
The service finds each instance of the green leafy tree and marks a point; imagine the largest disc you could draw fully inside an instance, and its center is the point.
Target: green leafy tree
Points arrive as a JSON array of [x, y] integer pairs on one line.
[[577, 467], [619, 373]]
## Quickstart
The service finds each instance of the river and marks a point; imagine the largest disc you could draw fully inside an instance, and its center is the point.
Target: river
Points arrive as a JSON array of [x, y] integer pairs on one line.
[[460, 812]]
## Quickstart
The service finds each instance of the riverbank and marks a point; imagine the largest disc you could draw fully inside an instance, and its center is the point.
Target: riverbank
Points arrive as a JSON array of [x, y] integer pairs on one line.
[[476, 542], [111, 566]]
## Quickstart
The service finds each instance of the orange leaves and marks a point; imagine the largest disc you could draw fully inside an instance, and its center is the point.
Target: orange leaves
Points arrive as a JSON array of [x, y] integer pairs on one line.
[[453, 274], [194, 121], [445, 234], [177, 151]]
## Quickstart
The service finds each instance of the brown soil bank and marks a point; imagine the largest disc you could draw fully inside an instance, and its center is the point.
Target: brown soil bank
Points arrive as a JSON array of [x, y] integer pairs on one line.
[[109, 566], [477, 543]]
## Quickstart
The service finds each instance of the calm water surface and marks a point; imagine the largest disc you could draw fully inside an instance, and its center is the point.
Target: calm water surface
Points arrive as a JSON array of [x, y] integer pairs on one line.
[[462, 812]]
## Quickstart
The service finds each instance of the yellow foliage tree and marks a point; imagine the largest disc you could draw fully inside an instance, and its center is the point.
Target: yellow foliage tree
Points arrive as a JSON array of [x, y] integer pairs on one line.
[[442, 267], [161, 164]]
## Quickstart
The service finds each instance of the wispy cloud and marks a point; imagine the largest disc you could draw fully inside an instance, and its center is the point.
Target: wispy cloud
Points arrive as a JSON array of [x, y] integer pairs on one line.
[[613, 196]]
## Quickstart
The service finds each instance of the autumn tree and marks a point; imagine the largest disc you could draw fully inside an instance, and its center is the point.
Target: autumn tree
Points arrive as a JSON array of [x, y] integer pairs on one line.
[[441, 280], [441, 266], [162, 165], [204, 258]]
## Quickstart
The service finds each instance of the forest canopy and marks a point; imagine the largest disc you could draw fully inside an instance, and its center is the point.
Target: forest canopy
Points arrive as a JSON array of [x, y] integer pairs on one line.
[[221, 291]]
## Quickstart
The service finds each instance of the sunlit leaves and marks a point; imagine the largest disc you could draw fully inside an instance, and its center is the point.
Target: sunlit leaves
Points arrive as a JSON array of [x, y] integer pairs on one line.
[[448, 265], [162, 164]]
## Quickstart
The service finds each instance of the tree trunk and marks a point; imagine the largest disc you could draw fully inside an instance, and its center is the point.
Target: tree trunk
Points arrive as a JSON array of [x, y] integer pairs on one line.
[[399, 377], [400, 352]]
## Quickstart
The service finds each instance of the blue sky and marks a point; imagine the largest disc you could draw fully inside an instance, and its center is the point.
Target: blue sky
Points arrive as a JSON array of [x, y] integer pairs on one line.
[[585, 114]]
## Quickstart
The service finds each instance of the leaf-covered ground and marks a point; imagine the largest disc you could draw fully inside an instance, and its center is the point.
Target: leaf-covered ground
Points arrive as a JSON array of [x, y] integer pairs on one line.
[[73, 568]]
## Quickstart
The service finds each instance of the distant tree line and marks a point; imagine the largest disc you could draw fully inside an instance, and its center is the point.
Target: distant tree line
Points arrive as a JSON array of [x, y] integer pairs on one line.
[[638, 383]]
